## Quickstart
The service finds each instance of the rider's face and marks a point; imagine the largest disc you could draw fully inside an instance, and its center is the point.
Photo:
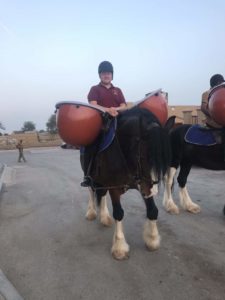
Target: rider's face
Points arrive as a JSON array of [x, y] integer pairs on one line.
[[106, 77]]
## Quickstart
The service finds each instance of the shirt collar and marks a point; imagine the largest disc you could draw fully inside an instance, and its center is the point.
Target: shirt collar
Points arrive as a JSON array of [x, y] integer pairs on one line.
[[100, 84]]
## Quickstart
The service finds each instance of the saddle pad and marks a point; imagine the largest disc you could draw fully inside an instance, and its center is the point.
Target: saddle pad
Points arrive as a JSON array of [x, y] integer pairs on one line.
[[197, 135], [106, 138]]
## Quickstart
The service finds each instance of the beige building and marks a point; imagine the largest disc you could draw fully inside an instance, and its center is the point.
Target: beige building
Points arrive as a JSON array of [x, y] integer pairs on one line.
[[186, 114], [30, 139]]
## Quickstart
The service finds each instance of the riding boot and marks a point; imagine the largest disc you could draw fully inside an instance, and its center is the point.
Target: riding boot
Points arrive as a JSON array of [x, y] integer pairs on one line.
[[87, 181], [89, 155], [88, 159]]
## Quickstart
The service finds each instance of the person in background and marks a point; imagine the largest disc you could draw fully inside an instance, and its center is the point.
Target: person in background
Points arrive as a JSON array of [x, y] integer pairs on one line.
[[214, 81], [19, 146]]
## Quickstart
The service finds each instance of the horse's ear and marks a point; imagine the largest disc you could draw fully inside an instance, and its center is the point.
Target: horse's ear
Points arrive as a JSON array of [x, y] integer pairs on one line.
[[170, 123]]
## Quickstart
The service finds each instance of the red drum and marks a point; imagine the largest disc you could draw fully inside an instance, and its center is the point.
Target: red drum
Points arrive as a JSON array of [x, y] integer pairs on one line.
[[156, 102], [78, 123], [217, 104]]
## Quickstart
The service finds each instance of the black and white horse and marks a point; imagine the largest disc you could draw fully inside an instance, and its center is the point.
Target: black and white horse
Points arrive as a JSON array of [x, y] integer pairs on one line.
[[138, 155], [185, 155]]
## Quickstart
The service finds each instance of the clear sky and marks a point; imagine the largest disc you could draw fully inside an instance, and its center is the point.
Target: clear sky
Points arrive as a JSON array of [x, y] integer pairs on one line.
[[50, 51]]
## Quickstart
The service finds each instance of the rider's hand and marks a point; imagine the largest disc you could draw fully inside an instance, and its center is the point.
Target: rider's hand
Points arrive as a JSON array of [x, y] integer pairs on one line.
[[112, 111]]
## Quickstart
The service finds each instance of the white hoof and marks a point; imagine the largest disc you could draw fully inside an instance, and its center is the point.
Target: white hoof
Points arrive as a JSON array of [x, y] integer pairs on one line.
[[120, 249], [91, 215], [172, 208], [193, 208], [106, 220], [186, 202], [152, 243]]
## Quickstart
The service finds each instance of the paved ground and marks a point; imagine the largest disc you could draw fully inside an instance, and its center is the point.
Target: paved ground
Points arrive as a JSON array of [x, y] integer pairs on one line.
[[49, 251]]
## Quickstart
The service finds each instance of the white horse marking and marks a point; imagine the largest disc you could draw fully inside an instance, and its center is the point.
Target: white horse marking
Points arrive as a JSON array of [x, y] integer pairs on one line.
[[151, 235], [186, 202], [168, 201], [91, 211], [105, 217], [120, 248]]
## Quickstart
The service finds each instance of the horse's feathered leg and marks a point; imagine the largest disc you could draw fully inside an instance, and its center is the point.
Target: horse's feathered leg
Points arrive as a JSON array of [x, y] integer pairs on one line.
[[168, 201], [120, 248], [91, 214], [91, 211], [105, 217], [185, 199], [150, 234]]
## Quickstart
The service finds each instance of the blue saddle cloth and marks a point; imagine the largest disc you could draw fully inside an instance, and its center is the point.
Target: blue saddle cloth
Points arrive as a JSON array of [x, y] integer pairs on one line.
[[107, 137], [198, 136]]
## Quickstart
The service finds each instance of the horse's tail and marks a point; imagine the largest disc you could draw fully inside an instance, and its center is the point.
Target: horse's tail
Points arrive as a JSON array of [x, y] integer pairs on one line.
[[159, 151]]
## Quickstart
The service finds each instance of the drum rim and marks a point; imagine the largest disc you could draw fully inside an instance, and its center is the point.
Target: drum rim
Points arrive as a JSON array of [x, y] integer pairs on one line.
[[153, 93], [217, 87], [79, 103]]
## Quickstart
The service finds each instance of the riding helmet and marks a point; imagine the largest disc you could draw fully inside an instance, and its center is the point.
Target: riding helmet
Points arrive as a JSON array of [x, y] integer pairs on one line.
[[105, 66], [215, 80]]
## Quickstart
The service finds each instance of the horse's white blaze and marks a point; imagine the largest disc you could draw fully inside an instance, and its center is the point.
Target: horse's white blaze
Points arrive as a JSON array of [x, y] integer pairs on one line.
[[91, 211], [168, 201], [151, 235], [187, 203], [120, 248], [105, 217]]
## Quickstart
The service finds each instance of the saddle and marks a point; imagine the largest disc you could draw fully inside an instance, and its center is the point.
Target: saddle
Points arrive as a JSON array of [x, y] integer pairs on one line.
[[203, 136]]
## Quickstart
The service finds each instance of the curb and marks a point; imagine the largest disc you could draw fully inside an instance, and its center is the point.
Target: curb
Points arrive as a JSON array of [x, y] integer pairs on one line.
[[2, 176], [7, 290]]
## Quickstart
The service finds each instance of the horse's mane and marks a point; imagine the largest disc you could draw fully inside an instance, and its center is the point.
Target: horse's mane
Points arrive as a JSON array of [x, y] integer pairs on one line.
[[137, 112], [136, 121]]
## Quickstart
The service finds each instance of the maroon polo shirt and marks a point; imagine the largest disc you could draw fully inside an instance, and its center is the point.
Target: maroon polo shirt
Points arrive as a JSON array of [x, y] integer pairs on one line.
[[111, 97]]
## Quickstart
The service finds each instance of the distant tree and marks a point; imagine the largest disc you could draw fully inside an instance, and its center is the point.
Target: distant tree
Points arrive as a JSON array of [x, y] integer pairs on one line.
[[51, 124], [2, 126], [28, 126], [41, 131]]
